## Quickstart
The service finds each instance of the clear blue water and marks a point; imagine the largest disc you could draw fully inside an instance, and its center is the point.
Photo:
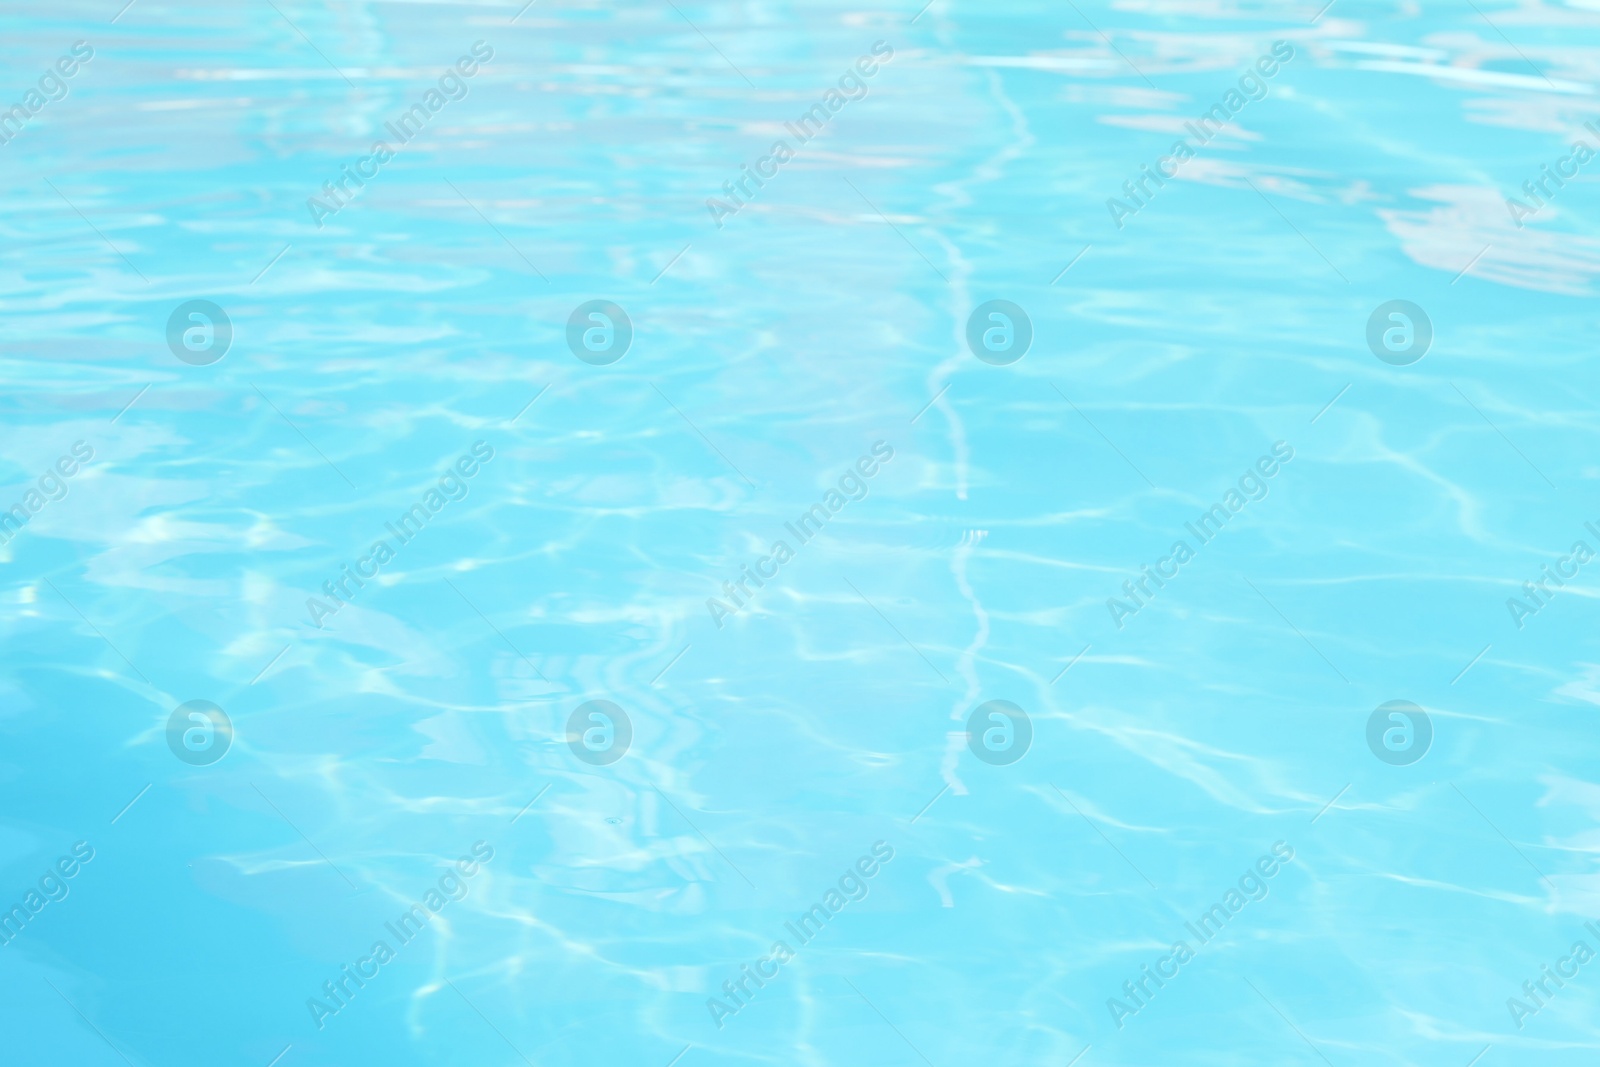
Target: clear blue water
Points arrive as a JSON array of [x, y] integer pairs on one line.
[[756, 749]]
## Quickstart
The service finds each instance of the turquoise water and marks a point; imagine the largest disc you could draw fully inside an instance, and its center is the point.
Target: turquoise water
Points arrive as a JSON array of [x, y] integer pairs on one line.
[[558, 775]]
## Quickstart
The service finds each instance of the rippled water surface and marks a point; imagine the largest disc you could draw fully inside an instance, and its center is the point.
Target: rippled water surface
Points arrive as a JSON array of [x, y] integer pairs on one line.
[[766, 502]]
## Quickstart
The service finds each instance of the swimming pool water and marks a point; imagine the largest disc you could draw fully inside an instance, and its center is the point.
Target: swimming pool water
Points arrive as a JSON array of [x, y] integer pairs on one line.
[[698, 534]]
